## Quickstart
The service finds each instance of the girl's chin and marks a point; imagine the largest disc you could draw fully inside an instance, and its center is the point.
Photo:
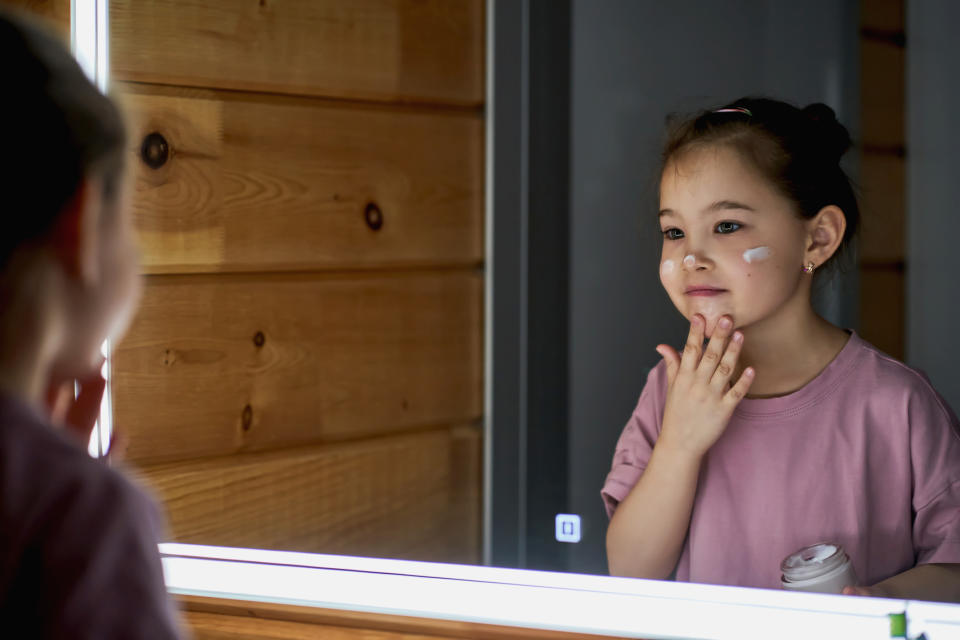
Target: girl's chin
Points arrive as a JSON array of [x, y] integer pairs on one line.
[[710, 327], [711, 323]]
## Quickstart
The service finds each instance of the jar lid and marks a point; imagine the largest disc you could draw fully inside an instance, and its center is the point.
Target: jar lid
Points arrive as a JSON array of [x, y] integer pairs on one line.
[[813, 561]]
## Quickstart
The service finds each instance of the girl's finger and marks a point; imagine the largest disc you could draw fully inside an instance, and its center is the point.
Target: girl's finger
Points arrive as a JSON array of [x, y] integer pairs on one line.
[[83, 414], [117, 450], [694, 347], [728, 363], [737, 392], [672, 358], [715, 349], [59, 399]]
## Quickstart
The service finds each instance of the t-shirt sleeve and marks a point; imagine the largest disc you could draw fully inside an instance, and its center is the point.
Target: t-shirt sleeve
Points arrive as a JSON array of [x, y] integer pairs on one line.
[[105, 577], [935, 459], [632, 453]]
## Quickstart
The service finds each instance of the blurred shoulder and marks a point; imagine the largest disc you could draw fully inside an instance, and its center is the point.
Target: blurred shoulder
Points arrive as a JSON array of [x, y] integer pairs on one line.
[[48, 478]]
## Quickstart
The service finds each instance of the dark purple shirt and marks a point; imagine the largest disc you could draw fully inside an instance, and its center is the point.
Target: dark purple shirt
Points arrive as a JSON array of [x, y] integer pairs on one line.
[[78, 541]]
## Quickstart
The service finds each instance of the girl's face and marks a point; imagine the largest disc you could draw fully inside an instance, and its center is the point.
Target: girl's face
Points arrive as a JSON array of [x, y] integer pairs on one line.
[[732, 244], [103, 306], [120, 262]]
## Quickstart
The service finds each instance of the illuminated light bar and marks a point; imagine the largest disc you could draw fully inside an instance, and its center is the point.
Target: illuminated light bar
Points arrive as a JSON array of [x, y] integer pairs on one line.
[[90, 45], [541, 600]]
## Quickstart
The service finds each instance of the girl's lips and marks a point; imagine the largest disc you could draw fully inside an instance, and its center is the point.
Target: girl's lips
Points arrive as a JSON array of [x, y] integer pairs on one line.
[[704, 291]]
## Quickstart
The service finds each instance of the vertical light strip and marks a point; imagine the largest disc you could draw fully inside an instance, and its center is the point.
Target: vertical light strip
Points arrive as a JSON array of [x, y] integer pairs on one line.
[[104, 430], [83, 35], [103, 44], [103, 433], [89, 43]]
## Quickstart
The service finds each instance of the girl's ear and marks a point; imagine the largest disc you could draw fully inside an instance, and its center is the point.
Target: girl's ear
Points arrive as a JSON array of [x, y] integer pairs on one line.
[[75, 237], [824, 234]]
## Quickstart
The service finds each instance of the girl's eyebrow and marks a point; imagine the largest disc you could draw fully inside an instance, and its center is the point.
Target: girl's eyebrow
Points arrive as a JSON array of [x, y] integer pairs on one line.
[[724, 205], [719, 205]]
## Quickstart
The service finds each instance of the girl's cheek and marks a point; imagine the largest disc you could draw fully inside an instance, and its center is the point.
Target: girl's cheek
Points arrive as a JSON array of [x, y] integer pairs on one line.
[[757, 254], [668, 269]]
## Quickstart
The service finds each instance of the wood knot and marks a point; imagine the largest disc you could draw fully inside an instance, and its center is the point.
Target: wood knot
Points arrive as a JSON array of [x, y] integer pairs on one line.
[[155, 151], [259, 339], [373, 216], [246, 418]]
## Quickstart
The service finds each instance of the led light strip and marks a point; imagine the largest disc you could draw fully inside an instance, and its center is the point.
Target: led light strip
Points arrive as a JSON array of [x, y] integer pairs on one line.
[[89, 42], [533, 599], [89, 39]]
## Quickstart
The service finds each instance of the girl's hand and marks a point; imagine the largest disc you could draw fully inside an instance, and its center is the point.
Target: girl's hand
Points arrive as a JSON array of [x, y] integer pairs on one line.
[[78, 413], [700, 398]]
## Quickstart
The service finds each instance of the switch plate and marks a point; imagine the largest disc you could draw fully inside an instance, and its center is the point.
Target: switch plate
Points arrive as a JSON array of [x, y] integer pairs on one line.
[[568, 527]]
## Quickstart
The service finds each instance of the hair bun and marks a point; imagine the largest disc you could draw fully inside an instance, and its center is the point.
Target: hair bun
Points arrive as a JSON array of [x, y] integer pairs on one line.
[[828, 133]]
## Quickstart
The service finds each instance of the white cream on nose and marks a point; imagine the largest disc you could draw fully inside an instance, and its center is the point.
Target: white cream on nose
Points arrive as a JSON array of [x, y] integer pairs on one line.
[[689, 260]]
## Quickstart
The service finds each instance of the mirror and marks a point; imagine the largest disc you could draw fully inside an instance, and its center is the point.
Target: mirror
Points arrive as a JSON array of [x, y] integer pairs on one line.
[[350, 341]]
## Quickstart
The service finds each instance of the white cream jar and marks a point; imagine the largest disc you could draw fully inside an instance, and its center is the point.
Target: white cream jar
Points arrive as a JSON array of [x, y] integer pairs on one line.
[[822, 568]]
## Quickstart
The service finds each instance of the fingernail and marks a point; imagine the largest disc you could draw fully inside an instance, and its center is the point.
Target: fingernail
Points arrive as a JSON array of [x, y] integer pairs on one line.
[[737, 337], [748, 371], [725, 323]]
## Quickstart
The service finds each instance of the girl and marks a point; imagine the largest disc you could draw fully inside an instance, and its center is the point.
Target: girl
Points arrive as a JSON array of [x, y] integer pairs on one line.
[[78, 554], [784, 430]]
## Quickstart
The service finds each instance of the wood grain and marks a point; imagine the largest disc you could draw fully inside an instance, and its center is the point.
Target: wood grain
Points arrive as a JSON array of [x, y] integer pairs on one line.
[[882, 207], [258, 183], [392, 50], [882, 307], [883, 80], [338, 358], [885, 15], [54, 12], [212, 618], [408, 496], [212, 626]]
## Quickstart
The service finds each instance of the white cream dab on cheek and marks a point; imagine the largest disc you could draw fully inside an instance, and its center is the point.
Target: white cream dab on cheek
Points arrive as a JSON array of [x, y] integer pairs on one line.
[[757, 253], [667, 267], [689, 261]]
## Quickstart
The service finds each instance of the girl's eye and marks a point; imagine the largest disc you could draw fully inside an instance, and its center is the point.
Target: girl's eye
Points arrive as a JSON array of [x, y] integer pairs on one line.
[[672, 234], [728, 227]]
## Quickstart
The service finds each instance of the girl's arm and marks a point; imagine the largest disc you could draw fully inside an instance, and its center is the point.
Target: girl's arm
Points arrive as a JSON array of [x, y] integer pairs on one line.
[[646, 533], [938, 582]]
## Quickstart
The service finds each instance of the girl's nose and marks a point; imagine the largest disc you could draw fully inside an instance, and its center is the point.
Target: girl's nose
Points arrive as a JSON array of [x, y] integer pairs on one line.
[[695, 262]]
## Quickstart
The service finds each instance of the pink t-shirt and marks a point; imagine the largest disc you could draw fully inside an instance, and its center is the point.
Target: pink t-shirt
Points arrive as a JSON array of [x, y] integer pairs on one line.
[[867, 455]]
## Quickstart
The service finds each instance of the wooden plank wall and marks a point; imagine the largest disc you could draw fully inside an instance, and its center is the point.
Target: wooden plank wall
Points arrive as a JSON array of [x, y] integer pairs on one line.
[[883, 175], [219, 619], [306, 368], [55, 12]]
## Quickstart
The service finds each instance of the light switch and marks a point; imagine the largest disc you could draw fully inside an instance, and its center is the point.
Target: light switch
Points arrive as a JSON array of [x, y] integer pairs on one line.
[[568, 527]]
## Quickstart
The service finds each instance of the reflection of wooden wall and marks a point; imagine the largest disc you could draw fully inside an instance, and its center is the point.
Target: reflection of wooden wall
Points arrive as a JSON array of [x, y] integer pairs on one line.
[[306, 369], [56, 12], [220, 619], [883, 175]]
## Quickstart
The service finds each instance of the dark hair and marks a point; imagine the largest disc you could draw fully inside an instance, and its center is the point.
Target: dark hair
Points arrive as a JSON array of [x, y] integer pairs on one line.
[[797, 150], [58, 128]]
